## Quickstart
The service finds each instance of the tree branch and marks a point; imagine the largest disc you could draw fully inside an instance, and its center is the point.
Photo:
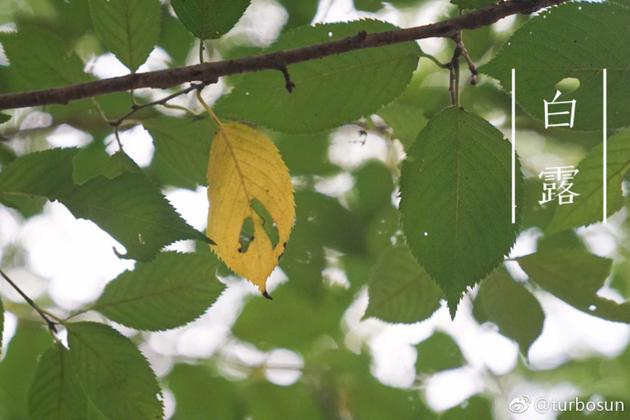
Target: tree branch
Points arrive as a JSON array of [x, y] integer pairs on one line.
[[208, 72]]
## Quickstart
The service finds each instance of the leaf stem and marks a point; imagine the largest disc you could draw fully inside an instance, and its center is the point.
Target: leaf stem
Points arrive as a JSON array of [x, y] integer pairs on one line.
[[52, 325]]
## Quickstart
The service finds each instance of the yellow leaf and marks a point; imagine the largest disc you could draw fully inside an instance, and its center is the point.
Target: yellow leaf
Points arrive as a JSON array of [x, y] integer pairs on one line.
[[252, 210]]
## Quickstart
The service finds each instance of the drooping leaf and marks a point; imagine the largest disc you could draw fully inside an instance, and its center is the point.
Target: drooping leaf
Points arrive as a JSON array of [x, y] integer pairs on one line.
[[41, 59], [172, 290], [438, 352], [128, 28], [328, 92], [400, 290], [125, 204], [575, 276], [4, 118], [455, 200], [113, 373], [183, 145], [248, 184], [209, 19], [511, 307], [55, 393], [200, 394], [574, 52], [588, 206]]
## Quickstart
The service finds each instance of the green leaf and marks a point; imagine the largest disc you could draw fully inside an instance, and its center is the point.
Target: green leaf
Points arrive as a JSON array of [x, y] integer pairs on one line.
[[55, 393], [511, 307], [89, 162], [305, 154], [128, 28], [472, 4], [201, 395], [172, 290], [400, 290], [303, 318], [328, 92], [405, 120], [4, 118], [18, 367], [438, 352], [113, 373], [183, 145], [575, 276], [297, 402], [455, 205], [41, 59], [300, 12], [1, 325], [209, 19], [129, 207], [587, 207], [540, 64]]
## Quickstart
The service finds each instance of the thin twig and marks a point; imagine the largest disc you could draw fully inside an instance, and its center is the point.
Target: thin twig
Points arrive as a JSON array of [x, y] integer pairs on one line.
[[135, 108], [52, 325], [210, 72], [471, 66]]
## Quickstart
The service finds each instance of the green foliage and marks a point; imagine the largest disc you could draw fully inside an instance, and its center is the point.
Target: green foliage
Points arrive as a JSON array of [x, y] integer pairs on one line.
[[110, 368], [200, 394], [128, 28], [587, 208], [455, 205], [300, 12], [41, 59], [209, 19], [128, 206], [55, 393], [511, 307], [17, 368], [575, 276], [262, 98], [183, 146], [172, 290], [574, 52], [438, 352], [451, 230], [400, 290], [1, 325]]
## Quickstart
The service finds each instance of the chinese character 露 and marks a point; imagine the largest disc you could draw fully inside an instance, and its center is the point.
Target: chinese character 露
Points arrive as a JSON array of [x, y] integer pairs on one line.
[[559, 108], [557, 183]]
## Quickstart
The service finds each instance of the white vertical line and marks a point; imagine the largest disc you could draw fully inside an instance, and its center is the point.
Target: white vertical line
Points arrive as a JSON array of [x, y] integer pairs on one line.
[[605, 146], [513, 146]]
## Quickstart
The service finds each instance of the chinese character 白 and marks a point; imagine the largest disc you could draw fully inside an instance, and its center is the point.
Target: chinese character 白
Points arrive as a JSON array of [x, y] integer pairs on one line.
[[557, 183], [559, 108]]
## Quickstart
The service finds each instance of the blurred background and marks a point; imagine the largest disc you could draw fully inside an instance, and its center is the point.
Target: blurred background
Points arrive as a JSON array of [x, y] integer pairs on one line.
[[311, 353]]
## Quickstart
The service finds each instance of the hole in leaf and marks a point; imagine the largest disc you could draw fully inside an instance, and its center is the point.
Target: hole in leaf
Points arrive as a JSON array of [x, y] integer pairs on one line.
[[267, 222], [568, 85], [247, 235]]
